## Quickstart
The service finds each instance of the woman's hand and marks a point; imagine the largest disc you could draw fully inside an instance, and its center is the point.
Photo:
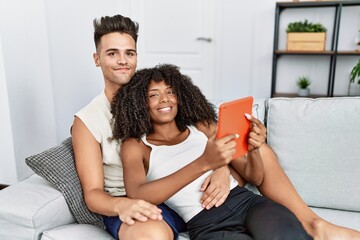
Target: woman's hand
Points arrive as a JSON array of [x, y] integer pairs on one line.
[[218, 152], [131, 210], [257, 135], [216, 188]]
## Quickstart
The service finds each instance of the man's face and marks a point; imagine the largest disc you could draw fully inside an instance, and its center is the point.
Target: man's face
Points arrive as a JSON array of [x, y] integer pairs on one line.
[[117, 57]]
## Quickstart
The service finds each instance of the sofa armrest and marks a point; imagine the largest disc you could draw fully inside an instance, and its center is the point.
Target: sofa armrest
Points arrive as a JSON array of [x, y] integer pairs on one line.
[[30, 207]]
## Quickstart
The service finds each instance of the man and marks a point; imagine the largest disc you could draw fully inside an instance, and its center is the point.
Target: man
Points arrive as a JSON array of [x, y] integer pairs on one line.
[[99, 166]]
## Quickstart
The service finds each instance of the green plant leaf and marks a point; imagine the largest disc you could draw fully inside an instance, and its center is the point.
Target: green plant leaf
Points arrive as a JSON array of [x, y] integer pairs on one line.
[[355, 73], [303, 82], [305, 26]]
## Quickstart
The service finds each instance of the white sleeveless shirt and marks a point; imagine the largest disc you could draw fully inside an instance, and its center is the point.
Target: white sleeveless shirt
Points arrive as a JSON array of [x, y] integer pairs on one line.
[[167, 159], [97, 116]]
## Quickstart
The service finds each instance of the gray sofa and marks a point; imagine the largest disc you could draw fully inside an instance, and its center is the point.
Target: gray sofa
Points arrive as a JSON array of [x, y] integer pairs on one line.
[[317, 142]]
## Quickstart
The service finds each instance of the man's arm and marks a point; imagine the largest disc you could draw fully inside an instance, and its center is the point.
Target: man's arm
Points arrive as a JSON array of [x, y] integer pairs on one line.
[[88, 160], [215, 188]]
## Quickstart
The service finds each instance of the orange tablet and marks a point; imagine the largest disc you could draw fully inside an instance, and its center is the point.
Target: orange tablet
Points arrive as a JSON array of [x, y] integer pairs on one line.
[[232, 120]]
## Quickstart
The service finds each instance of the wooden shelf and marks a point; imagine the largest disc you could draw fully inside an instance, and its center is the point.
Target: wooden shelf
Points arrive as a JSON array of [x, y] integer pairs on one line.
[[317, 4], [332, 54], [285, 52], [348, 53]]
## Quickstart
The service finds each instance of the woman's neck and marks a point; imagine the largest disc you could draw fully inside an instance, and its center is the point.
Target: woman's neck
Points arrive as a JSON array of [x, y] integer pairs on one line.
[[167, 134]]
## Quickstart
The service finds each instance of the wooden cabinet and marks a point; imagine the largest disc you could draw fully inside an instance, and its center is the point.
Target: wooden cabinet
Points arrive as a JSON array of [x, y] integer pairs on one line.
[[330, 55]]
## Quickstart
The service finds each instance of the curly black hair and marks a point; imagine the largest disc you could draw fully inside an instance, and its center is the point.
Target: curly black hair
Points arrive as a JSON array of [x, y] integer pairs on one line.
[[131, 118]]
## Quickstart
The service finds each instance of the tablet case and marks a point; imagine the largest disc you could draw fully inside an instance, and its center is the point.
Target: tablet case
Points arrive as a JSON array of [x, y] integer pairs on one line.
[[232, 120]]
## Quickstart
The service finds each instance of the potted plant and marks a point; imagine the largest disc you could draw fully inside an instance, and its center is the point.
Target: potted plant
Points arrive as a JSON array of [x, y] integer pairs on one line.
[[303, 83], [354, 85], [305, 36]]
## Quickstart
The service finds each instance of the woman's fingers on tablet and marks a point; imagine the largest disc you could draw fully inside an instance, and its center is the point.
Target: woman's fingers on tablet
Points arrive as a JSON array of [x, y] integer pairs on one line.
[[257, 126], [257, 137], [227, 144], [228, 138]]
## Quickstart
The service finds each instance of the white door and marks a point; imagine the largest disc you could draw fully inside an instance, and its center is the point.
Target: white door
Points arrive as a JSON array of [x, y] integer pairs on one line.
[[179, 32]]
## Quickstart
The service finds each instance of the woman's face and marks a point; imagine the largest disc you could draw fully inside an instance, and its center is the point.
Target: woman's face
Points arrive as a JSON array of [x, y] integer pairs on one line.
[[163, 104]]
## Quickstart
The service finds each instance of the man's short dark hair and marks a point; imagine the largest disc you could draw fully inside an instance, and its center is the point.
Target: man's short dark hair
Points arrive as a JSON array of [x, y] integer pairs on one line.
[[116, 23]]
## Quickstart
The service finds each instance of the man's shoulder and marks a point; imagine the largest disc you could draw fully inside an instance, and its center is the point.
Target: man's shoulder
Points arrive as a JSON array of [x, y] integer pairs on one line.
[[96, 107], [96, 116]]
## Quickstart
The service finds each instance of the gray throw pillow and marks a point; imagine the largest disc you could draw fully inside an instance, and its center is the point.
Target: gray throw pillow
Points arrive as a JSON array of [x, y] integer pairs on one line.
[[57, 166]]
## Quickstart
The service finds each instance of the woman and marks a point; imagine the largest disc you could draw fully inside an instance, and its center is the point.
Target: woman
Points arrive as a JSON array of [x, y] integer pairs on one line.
[[173, 133]]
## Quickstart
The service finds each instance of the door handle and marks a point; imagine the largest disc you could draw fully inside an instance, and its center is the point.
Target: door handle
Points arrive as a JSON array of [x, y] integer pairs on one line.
[[204, 39]]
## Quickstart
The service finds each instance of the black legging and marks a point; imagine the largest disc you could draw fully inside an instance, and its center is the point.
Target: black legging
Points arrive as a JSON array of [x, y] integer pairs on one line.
[[245, 215]]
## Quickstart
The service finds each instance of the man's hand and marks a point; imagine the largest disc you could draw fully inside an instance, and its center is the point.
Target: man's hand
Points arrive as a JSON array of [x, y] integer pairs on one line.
[[131, 210], [216, 188]]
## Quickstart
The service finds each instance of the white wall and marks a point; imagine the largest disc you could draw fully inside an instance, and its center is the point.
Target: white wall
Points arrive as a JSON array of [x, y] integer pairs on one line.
[[75, 78], [50, 75], [246, 51], [8, 173], [28, 78]]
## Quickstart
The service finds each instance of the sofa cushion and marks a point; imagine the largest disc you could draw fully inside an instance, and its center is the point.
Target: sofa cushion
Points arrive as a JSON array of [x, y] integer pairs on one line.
[[317, 142], [57, 165], [259, 109], [29, 207]]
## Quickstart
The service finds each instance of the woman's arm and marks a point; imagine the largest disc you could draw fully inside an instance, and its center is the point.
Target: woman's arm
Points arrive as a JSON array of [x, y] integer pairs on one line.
[[250, 166], [134, 152], [216, 187]]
